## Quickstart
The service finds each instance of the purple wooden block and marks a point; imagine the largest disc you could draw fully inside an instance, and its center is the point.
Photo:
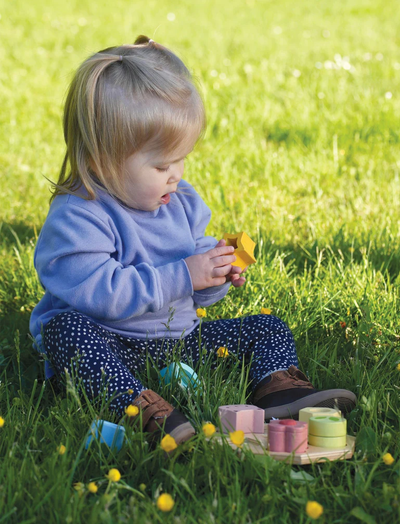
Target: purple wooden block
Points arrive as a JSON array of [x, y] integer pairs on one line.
[[250, 419]]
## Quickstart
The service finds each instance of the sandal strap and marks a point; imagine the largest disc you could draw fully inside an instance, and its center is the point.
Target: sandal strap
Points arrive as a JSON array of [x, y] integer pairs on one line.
[[283, 380], [151, 406]]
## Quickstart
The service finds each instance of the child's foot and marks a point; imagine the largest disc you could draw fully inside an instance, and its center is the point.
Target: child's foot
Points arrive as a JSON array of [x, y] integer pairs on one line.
[[158, 415], [283, 393]]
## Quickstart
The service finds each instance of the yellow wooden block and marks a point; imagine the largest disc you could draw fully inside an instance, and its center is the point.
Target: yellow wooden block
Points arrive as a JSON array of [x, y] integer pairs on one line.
[[327, 442], [306, 413], [327, 427], [244, 248]]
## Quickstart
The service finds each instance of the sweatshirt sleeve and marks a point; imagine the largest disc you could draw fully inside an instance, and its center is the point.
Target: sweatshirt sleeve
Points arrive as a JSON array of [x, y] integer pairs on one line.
[[75, 260], [199, 216]]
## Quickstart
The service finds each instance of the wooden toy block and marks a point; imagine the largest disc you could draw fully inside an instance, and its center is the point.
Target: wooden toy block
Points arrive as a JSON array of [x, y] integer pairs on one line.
[[327, 432], [249, 419], [181, 372], [244, 248], [306, 413], [108, 433], [287, 436]]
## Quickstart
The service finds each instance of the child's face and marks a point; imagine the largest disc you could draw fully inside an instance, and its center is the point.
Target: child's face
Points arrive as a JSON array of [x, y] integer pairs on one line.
[[151, 177]]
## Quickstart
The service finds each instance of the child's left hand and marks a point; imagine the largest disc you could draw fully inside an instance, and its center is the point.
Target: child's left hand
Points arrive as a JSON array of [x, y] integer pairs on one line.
[[234, 276]]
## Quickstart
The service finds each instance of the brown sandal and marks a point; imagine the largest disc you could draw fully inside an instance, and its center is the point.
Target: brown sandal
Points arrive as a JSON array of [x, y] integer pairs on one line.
[[158, 415], [289, 391]]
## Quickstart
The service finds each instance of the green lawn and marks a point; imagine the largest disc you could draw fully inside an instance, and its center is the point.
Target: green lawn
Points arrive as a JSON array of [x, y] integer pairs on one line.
[[302, 153]]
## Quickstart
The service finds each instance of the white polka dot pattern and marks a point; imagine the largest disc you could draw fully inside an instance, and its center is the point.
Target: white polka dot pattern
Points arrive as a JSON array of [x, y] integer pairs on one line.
[[102, 359]]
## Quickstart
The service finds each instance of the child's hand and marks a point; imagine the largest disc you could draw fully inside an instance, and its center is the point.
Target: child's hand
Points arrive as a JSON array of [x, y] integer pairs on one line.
[[235, 278], [213, 267]]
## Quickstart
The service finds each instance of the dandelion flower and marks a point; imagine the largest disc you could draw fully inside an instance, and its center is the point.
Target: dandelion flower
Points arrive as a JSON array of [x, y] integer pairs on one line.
[[114, 475], [209, 429], [388, 459], [168, 443], [62, 449], [222, 352], [165, 502], [266, 311], [1, 422], [78, 486], [314, 509], [397, 367], [92, 487], [132, 411], [237, 437], [130, 391], [201, 313]]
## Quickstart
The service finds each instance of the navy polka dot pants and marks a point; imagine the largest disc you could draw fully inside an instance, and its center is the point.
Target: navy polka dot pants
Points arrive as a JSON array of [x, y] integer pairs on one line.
[[102, 359]]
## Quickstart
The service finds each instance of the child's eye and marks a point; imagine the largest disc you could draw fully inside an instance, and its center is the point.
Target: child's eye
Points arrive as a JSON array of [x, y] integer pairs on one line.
[[162, 168]]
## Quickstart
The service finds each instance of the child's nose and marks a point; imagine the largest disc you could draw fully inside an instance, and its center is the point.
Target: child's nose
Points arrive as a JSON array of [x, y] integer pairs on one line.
[[176, 172]]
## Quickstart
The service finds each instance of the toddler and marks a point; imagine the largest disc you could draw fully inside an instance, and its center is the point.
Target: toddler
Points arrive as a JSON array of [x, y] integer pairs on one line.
[[123, 257]]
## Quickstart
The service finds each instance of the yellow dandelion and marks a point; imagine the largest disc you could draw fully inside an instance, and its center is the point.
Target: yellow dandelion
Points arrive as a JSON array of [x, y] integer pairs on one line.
[[237, 437], [1, 422], [266, 311], [92, 487], [209, 429], [201, 313], [314, 509], [132, 411], [388, 459], [397, 367], [61, 449], [165, 502], [114, 475], [222, 352], [130, 391], [79, 486], [168, 443]]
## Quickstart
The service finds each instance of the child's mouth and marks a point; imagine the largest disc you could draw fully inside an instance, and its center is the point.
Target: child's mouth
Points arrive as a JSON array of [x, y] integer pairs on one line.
[[165, 199]]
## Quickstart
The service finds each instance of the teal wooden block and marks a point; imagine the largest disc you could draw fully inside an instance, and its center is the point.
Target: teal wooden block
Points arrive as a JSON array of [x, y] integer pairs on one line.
[[182, 373]]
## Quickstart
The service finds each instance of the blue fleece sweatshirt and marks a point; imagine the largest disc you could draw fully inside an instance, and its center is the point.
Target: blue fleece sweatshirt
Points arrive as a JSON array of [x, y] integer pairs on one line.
[[121, 267]]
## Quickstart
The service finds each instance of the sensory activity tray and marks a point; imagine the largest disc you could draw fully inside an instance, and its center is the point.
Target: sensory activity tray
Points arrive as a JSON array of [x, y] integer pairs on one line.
[[258, 444], [319, 434]]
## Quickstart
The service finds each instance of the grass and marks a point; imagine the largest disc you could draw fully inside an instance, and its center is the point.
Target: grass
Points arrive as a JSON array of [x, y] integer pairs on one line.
[[302, 153]]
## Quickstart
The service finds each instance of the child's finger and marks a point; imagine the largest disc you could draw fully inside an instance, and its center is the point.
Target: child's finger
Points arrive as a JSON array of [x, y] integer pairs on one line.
[[238, 282], [221, 271], [220, 251], [223, 260]]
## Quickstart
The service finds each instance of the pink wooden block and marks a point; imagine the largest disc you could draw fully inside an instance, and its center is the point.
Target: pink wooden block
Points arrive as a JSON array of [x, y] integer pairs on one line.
[[287, 435], [250, 419]]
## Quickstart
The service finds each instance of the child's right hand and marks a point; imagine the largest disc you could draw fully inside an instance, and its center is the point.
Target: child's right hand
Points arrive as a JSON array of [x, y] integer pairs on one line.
[[212, 267]]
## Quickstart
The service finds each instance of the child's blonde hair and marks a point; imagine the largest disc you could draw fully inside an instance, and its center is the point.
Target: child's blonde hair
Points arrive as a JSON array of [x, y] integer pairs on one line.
[[122, 100]]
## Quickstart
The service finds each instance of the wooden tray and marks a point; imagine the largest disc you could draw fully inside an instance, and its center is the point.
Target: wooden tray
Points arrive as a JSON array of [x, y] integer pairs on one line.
[[258, 444]]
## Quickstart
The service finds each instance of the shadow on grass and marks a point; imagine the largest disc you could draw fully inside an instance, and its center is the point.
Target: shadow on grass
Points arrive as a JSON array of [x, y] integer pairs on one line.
[[17, 233], [382, 255]]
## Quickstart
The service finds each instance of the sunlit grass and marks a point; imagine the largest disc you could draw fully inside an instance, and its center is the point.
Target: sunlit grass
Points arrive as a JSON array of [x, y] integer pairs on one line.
[[302, 153]]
